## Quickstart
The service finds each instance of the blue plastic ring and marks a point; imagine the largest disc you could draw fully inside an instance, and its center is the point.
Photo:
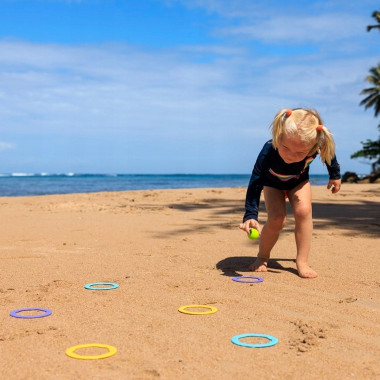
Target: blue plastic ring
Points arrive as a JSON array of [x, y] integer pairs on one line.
[[111, 286], [272, 340], [14, 313], [238, 279]]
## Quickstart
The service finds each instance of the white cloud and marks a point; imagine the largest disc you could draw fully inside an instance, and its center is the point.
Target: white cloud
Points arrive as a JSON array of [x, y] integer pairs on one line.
[[116, 103], [245, 9], [5, 146], [278, 22], [227, 8], [292, 29]]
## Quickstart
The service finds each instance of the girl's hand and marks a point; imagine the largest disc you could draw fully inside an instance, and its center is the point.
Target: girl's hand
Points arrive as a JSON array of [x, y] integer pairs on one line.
[[334, 185], [248, 224]]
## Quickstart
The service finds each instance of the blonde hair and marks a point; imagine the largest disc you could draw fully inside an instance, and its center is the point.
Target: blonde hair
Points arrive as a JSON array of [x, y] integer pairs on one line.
[[307, 125]]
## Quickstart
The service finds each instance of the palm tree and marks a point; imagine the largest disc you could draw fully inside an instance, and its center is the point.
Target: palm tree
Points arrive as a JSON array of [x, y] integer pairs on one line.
[[371, 148], [376, 16], [373, 98]]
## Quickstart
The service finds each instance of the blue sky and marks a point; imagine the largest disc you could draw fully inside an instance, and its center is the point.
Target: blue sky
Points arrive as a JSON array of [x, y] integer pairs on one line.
[[176, 86]]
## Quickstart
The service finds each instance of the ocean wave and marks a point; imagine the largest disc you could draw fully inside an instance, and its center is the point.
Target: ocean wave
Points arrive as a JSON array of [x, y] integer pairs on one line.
[[103, 175], [70, 174]]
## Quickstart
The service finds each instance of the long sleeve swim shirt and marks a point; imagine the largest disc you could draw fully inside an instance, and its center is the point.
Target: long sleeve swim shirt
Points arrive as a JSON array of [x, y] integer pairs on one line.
[[271, 170]]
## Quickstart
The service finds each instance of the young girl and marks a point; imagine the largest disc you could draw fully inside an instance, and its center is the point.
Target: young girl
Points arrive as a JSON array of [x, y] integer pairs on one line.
[[282, 170]]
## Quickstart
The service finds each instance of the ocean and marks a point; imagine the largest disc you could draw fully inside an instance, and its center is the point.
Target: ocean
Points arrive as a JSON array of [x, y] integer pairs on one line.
[[23, 184]]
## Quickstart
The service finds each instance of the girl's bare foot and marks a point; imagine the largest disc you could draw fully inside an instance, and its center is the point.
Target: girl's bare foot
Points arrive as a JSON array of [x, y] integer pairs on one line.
[[305, 271], [260, 265]]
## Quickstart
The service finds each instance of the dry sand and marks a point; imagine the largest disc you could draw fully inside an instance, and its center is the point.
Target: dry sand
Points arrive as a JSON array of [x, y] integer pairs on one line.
[[170, 248]]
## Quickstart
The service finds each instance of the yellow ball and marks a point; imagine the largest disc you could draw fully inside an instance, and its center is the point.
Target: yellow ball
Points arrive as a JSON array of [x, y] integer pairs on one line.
[[253, 234]]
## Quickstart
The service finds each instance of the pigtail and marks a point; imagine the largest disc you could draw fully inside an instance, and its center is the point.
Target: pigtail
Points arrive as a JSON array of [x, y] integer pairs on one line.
[[277, 125], [326, 145]]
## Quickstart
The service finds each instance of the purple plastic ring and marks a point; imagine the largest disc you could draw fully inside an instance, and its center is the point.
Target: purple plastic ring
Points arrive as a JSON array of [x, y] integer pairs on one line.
[[238, 279], [14, 313]]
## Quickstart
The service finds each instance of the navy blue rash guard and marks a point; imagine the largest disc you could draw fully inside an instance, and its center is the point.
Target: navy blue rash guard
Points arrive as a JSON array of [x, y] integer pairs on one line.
[[271, 170]]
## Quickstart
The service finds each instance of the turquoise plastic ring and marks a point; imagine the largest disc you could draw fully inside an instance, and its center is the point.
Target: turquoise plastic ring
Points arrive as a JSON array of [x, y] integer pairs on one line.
[[93, 286], [272, 340]]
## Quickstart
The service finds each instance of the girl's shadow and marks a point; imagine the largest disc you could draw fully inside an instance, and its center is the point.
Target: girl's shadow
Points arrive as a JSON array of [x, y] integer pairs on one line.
[[231, 266]]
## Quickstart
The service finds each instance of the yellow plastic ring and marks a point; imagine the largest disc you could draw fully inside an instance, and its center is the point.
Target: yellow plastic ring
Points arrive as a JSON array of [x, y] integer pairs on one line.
[[212, 310], [71, 351]]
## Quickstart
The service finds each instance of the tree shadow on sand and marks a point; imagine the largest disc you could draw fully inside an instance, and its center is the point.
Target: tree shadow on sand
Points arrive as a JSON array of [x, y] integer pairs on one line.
[[235, 266], [359, 217]]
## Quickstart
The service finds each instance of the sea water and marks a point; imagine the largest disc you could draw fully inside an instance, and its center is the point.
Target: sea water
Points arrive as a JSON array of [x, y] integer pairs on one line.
[[22, 184]]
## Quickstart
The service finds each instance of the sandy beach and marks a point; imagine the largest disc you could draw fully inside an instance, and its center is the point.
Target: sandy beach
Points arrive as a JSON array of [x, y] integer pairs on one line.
[[170, 248]]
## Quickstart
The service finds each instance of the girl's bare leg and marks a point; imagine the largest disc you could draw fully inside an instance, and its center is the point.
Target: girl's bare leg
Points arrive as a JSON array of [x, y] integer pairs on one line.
[[300, 200], [275, 206]]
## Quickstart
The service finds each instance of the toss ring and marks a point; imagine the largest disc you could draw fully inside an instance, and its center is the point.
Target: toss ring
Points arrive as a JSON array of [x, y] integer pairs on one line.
[[211, 310], [272, 340], [94, 285], [14, 313], [239, 279], [71, 351]]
